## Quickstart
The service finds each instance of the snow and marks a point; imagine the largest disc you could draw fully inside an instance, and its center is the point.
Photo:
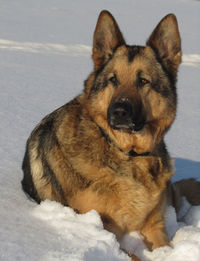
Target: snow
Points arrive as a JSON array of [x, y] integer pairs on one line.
[[45, 49], [57, 49], [91, 239]]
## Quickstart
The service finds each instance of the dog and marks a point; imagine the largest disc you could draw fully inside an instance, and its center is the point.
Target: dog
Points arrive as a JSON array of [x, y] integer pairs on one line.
[[105, 149]]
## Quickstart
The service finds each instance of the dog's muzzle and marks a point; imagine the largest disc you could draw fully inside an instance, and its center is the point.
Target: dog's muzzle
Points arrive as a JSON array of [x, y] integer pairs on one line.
[[127, 116]]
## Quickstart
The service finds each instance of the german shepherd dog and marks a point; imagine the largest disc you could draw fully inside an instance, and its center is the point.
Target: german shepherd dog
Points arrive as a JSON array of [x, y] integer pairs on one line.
[[104, 150]]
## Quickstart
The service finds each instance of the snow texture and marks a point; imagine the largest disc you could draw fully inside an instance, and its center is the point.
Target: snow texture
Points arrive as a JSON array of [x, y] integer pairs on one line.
[[45, 49]]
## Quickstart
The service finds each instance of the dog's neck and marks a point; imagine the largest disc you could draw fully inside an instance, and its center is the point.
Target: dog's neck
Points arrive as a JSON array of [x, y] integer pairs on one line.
[[131, 153]]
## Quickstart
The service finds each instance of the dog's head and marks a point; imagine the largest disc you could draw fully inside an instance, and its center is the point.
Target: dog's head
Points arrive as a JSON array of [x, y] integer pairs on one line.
[[131, 94]]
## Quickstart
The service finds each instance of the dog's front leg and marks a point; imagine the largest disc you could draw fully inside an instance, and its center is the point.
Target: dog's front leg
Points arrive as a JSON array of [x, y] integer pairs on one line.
[[154, 231]]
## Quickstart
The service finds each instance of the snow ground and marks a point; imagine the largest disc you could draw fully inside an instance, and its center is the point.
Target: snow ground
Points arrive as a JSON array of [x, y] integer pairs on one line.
[[45, 49]]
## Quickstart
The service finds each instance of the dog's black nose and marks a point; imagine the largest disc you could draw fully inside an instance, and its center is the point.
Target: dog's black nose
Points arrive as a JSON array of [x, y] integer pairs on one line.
[[121, 110], [124, 115]]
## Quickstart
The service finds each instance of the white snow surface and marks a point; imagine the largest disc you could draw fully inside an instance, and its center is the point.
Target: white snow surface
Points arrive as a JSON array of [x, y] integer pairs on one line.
[[45, 50]]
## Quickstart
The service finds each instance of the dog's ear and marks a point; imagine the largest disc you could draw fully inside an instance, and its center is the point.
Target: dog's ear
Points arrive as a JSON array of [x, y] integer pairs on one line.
[[166, 42], [107, 37]]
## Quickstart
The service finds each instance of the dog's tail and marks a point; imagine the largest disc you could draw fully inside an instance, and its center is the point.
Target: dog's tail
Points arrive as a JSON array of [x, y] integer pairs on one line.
[[188, 188]]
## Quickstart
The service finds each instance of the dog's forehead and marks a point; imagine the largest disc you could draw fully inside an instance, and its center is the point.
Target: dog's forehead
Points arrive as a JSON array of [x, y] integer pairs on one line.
[[131, 59]]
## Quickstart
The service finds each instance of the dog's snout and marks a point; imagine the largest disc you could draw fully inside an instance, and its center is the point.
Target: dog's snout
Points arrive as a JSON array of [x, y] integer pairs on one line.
[[121, 110], [126, 115]]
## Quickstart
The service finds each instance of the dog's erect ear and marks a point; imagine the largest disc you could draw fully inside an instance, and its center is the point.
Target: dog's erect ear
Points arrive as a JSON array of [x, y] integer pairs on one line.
[[107, 37], [166, 42]]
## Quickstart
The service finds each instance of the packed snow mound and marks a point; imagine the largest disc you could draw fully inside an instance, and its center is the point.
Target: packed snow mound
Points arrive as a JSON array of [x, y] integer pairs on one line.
[[85, 239], [83, 234]]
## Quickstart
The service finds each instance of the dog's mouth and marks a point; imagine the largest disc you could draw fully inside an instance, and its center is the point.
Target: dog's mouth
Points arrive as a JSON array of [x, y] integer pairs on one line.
[[122, 116], [128, 127]]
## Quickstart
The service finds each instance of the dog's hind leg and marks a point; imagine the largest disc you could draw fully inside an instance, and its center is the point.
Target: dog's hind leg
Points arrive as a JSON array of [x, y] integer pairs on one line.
[[188, 188]]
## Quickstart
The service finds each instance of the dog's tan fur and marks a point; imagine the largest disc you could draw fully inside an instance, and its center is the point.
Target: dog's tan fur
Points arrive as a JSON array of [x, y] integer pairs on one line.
[[75, 157]]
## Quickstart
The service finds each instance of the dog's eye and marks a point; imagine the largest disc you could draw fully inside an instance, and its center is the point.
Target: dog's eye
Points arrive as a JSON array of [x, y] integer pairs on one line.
[[113, 80], [143, 81]]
